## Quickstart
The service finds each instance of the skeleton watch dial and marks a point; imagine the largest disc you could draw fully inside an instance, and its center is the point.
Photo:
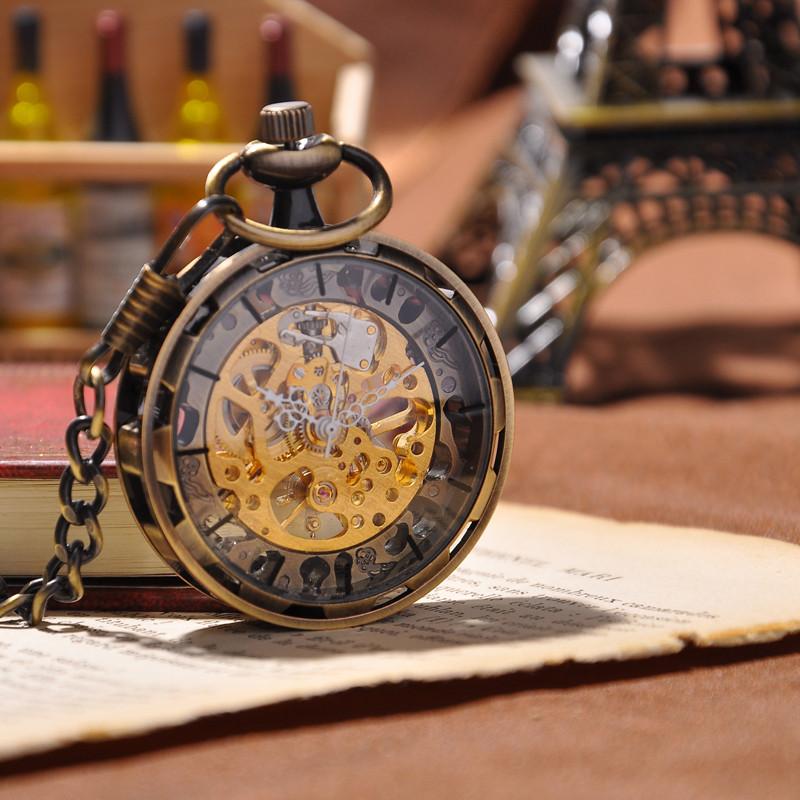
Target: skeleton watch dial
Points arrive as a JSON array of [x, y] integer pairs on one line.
[[328, 432], [321, 428]]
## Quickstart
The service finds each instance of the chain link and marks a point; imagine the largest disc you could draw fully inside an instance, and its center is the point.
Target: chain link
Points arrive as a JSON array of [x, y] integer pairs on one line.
[[61, 578]]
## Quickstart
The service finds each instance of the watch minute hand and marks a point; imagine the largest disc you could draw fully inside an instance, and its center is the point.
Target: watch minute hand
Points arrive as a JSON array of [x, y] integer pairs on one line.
[[382, 391], [346, 413]]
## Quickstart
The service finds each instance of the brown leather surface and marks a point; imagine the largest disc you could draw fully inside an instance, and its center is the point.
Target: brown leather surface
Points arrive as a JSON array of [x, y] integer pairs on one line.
[[685, 726], [714, 728], [730, 464]]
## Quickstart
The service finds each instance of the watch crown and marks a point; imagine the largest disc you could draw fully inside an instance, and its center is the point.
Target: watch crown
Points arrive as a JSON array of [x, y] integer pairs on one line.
[[286, 122]]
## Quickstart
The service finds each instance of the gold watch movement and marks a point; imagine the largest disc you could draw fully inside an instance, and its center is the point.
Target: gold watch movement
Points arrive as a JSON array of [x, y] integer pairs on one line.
[[321, 434]]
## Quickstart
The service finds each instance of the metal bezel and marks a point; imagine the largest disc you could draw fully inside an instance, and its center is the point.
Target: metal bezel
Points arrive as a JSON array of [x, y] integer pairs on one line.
[[146, 458]]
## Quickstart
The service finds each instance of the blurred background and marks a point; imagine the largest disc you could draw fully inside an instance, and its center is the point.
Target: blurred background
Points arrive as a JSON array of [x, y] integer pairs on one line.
[[544, 150]]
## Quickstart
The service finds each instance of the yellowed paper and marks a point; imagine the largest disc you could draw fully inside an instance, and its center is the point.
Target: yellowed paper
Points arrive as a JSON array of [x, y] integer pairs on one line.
[[542, 587], [23, 549]]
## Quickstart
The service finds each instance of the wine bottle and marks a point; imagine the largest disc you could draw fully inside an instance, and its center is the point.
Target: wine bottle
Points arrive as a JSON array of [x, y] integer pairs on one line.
[[36, 265], [199, 119], [29, 114], [114, 121], [276, 34], [117, 235]]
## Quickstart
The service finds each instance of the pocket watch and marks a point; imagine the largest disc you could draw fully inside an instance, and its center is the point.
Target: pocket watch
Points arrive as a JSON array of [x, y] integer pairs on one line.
[[313, 422]]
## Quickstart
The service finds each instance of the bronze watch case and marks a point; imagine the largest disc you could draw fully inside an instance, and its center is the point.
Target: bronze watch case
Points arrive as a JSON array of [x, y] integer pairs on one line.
[[150, 462]]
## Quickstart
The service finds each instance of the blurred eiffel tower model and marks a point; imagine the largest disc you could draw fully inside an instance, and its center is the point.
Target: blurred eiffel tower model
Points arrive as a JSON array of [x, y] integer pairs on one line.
[[654, 119]]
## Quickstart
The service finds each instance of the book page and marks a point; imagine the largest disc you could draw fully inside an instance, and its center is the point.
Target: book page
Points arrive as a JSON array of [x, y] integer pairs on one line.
[[25, 545], [542, 587]]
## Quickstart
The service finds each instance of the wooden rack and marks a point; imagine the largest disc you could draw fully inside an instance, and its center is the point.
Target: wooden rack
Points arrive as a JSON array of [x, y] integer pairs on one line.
[[332, 70]]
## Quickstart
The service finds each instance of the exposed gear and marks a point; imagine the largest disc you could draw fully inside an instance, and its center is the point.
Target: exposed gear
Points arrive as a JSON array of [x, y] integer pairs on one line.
[[256, 363], [331, 452]]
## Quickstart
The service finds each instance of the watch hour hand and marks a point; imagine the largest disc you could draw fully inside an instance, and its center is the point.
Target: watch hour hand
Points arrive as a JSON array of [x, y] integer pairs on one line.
[[289, 412]]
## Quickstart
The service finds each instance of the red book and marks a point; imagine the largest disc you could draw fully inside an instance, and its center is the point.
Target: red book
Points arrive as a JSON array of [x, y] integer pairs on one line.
[[35, 408]]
